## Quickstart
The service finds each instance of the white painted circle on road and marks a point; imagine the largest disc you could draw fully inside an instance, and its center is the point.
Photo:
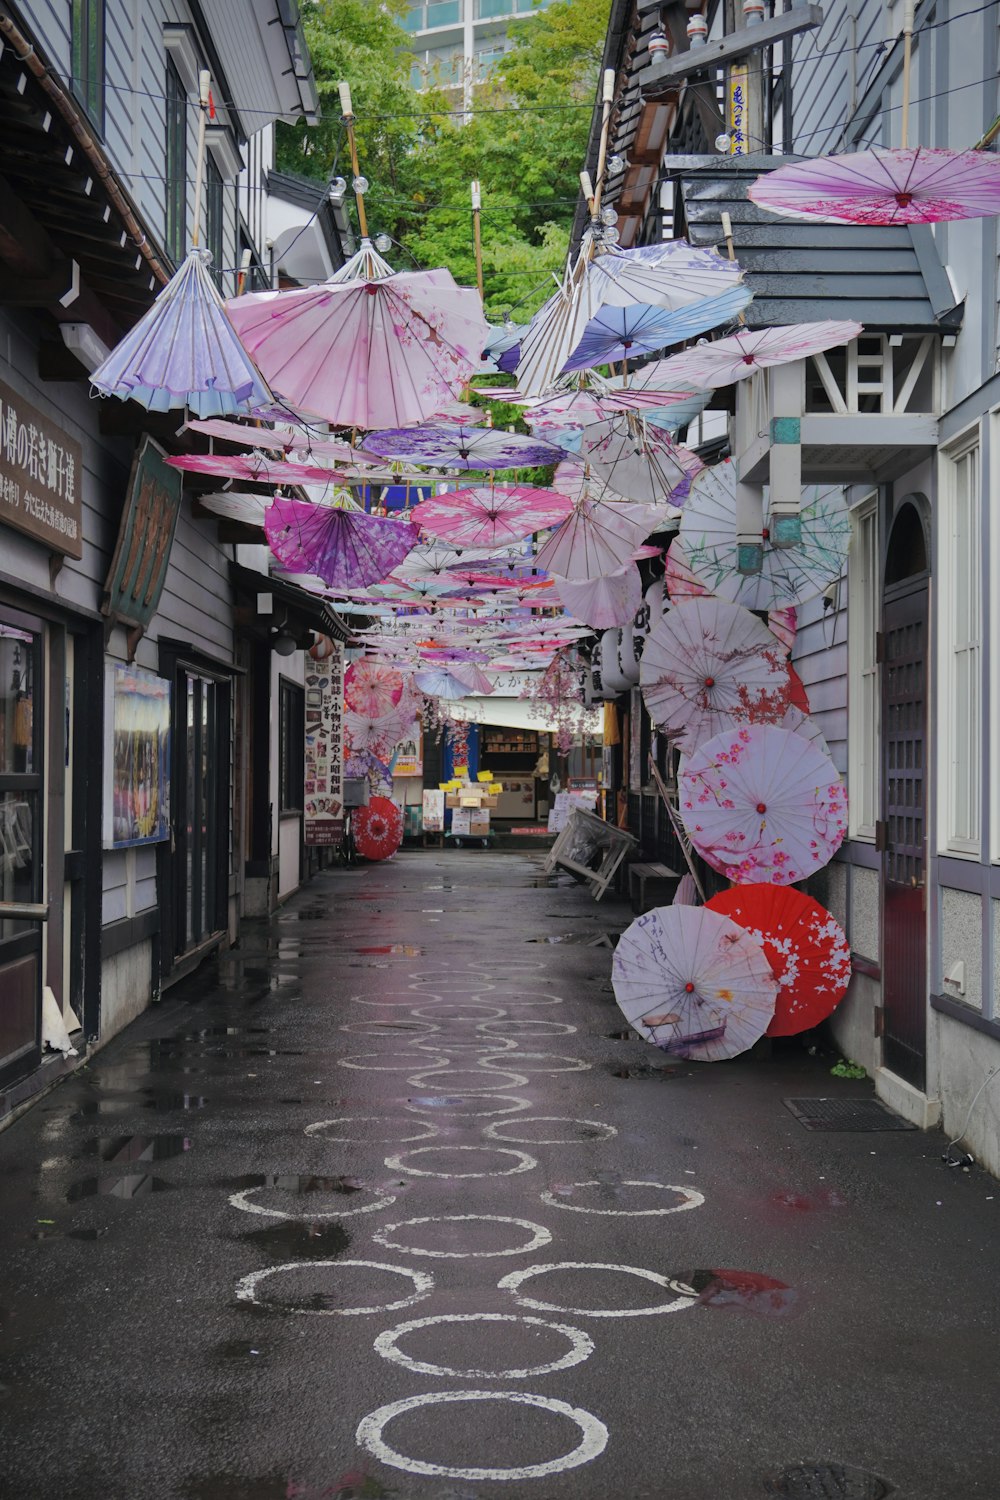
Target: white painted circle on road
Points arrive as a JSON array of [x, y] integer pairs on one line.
[[481, 1044], [683, 1296], [423, 1285], [464, 1006], [581, 1346], [525, 1026], [391, 1029], [524, 997], [402, 1159], [690, 1198], [322, 1128], [571, 1064], [515, 1106], [452, 982], [491, 1081], [592, 1443], [356, 1062], [539, 1236], [596, 1130], [242, 1201]]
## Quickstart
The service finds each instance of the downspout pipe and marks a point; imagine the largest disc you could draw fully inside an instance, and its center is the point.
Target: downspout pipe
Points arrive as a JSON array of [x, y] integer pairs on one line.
[[25, 53]]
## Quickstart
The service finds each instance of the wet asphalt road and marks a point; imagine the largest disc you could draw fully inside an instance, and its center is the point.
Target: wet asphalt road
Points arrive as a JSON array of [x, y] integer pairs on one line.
[[392, 1108]]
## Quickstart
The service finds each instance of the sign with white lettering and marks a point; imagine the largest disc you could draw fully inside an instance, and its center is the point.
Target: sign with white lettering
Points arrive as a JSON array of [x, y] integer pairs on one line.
[[324, 748], [40, 474]]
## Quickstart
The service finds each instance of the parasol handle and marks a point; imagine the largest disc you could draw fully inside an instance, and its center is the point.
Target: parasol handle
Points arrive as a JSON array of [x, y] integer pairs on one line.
[[608, 96], [347, 109], [907, 52], [727, 230], [204, 86], [477, 237], [241, 280]]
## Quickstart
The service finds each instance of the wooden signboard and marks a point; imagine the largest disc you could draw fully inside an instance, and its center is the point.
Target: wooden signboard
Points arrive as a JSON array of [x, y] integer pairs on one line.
[[40, 475], [138, 569]]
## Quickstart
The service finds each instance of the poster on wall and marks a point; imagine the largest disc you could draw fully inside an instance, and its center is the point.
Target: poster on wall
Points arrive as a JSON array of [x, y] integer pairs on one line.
[[324, 744], [137, 767], [409, 753], [433, 810]]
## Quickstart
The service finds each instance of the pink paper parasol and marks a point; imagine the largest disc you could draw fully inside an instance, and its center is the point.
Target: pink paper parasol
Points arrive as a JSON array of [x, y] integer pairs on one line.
[[707, 667], [377, 733], [347, 549], [444, 682], [253, 467], [366, 353], [694, 983], [763, 804], [639, 462], [596, 540], [915, 185], [372, 688], [490, 517], [455, 447], [280, 439], [603, 602], [682, 583], [740, 355]]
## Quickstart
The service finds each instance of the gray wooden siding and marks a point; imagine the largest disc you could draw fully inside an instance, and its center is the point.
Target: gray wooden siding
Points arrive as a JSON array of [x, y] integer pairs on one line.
[[821, 72], [820, 658]]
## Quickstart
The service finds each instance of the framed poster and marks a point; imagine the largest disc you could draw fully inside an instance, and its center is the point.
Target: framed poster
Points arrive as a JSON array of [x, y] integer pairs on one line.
[[324, 748], [409, 753], [137, 766], [433, 806]]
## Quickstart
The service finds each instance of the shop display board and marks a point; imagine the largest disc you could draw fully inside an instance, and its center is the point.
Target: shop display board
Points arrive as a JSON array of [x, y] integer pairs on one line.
[[324, 748]]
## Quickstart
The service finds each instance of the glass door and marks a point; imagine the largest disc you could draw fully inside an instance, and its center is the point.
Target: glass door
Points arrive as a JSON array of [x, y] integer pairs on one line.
[[201, 834], [21, 886]]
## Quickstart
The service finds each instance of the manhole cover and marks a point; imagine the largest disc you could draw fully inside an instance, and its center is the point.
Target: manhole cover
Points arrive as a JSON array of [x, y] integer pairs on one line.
[[818, 1481], [845, 1114]]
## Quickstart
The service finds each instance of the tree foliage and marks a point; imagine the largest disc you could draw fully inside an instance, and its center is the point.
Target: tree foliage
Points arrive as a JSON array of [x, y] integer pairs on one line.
[[525, 141]]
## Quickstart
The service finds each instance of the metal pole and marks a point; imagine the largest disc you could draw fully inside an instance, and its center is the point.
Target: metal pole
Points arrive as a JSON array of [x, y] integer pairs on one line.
[[348, 113], [477, 238], [904, 133], [204, 85]]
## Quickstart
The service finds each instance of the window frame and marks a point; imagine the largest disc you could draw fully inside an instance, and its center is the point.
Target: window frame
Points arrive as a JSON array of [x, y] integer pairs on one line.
[[175, 156], [215, 218], [953, 596], [291, 747], [864, 593], [87, 52]]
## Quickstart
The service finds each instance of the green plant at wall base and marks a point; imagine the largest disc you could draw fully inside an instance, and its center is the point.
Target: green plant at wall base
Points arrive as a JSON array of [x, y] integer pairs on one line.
[[847, 1069]]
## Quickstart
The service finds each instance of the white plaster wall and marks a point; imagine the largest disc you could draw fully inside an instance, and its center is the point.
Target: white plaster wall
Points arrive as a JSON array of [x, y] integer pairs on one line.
[[864, 914], [965, 1060], [289, 844], [962, 939], [125, 988], [852, 1023]]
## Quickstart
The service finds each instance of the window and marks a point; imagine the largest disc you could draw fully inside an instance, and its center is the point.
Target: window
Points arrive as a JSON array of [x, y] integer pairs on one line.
[[961, 610], [863, 675], [176, 156], [214, 216], [291, 747], [87, 62]]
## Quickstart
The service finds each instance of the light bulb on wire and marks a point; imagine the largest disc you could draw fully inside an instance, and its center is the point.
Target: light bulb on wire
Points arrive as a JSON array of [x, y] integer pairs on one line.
[[360, 185], [383, 243]]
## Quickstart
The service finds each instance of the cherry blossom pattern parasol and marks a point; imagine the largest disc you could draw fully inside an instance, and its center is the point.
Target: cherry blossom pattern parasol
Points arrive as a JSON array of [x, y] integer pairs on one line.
[[740, 355], [458, 447], [372, 687], [347, 549], [184, 352], [638, 461], [694, 983], [444, 682], [603, 602], [805, 946], [369, 352], [596, 540], [624, 333], [377, 733], [905, 185], [789, 575], [491, 516], [283, 438], [708, 666], [763, 804], [378, 828], [253, 467]]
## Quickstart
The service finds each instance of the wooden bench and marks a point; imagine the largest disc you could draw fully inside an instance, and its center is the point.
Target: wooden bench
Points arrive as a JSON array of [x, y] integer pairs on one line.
[[651, 885]]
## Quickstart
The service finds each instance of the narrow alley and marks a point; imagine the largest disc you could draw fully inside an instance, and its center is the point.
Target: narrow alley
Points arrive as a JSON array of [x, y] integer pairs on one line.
[[388, 1203]]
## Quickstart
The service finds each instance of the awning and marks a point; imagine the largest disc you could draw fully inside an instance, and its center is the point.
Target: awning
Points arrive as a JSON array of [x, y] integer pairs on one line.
[[519, 713]]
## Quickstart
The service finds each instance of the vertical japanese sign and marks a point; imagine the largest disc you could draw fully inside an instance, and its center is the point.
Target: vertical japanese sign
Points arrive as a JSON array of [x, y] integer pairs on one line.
[[324, 748], [736, 88], [40, 474]]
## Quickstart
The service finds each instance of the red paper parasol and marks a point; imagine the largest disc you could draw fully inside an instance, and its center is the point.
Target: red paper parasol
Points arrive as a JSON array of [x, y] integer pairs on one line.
[[378, 828], [806, 947]]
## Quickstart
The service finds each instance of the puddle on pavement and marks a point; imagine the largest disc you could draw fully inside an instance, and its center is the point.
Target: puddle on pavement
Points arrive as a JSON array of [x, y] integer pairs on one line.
[[621, 1036], [214, 1031], [299, 1241], [51, 1233], [134, 1148], [128, 1185], [743, 1291], [124, 1104], [827, 1481], [804, 1203], [353, 1485], [647, 1072], [293, 1182], [406, 950], [167, 1052], [583, 939]]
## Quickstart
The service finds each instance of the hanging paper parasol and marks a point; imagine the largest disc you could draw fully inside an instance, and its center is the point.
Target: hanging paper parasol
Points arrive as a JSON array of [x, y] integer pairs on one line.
[[638, 462], [694, 983], [366, 353], [708, 666], [596, 540], [603, 602], [301, 440], [915, 185], [253, 467], [346, 549], [740, 355], [503, 347], [371, 688], [669, 274], [443, 682], [490, 517], [184, 352], [789, 575], [803, 724], [377, 733], [624, 333], [451, 447], [378, 828], [763, 804], [805, 946]]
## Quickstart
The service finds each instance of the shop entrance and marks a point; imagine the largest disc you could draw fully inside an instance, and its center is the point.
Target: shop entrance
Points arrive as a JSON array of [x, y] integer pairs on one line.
[[21, 762]]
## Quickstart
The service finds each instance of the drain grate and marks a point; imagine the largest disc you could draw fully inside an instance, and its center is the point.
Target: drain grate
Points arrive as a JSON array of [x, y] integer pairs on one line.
[[819, 1481], [845, 1114]]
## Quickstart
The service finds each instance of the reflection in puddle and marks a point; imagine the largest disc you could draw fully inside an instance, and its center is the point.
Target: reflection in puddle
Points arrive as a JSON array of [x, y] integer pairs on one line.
[[129, 1185], [124, 1104], [295, 1240], [293, 1182], [746, 1291], [123, 1149], [406, 949], [584, 939]]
